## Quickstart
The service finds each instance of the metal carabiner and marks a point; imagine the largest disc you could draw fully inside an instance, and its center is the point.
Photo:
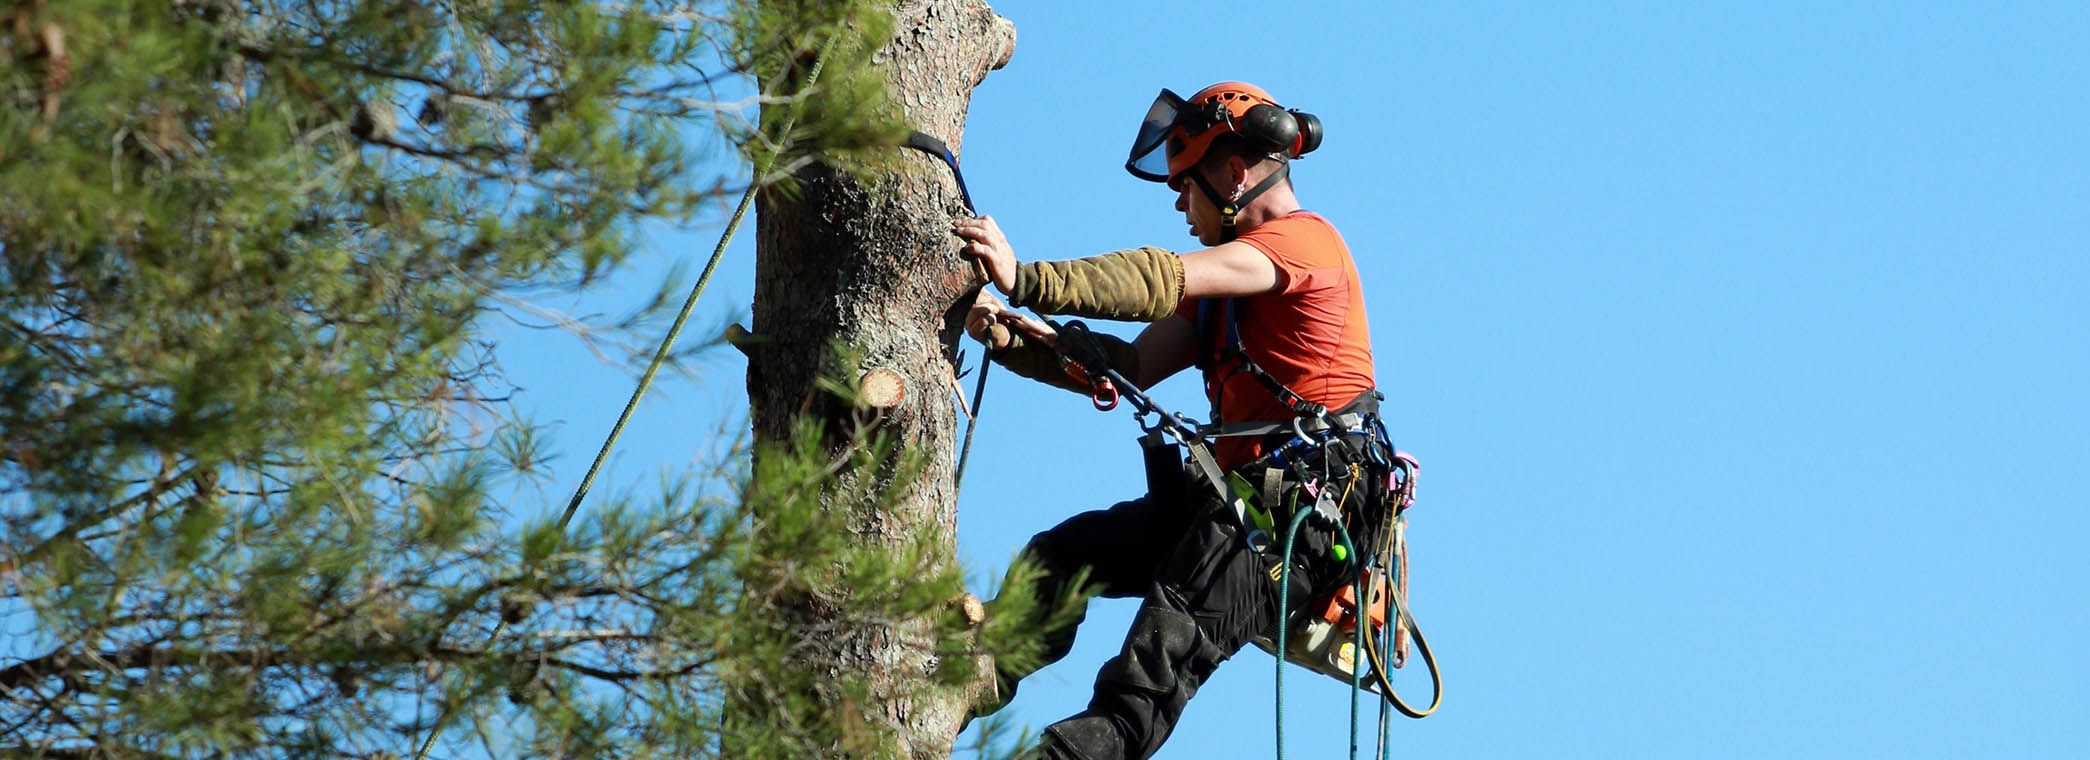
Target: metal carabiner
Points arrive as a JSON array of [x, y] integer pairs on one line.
[[1407, 471], [1105, 396], [1144, 425]]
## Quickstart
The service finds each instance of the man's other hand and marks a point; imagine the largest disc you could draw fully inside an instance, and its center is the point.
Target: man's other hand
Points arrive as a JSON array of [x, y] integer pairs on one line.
[[990, 322]]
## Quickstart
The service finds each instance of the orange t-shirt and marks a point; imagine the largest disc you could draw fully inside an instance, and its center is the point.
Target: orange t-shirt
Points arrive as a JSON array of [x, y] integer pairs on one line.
[[1312, 334]]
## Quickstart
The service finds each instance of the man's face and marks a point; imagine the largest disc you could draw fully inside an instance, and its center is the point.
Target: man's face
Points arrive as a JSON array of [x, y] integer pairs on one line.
[[1198, 210]]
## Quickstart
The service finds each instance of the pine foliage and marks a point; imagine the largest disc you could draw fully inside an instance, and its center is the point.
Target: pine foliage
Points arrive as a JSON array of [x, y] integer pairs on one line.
[[255, 445]]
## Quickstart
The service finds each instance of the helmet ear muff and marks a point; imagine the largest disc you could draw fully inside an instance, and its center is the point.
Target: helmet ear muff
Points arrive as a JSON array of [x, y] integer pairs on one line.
[[1269, 128], [1309, 131], [1275, 129]]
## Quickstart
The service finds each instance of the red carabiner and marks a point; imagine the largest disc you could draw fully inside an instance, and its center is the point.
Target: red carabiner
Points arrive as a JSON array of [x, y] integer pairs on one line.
[[1105, 396]]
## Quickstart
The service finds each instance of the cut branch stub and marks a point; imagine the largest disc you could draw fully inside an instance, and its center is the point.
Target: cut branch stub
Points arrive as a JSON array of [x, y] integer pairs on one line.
[[975, 612], [881, 388], [741, 339]]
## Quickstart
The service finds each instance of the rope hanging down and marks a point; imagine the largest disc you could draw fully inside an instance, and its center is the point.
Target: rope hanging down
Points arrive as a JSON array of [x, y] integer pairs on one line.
[[667, 343]]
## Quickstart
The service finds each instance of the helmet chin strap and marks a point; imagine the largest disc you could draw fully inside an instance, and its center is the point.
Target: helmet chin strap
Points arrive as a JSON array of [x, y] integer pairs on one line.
[[1229, 211]]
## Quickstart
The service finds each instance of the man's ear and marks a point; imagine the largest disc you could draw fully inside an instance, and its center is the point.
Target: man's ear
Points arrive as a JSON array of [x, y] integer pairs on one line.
[[1237, 172]]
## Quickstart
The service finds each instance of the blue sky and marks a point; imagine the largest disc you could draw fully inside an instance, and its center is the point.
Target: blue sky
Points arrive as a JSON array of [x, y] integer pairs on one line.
[[1744, 349]]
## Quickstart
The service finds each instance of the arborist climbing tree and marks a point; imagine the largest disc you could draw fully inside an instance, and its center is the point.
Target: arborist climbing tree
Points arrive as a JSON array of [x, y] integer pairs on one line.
[[1272, 314]]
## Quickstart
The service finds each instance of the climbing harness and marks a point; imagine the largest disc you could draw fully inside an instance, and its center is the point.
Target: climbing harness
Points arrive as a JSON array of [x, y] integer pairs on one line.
[[1372, 609], [1382, 579], [1229, 349]]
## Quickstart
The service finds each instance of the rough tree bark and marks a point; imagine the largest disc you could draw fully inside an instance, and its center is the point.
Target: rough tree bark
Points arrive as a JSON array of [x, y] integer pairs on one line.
[[873, 264]]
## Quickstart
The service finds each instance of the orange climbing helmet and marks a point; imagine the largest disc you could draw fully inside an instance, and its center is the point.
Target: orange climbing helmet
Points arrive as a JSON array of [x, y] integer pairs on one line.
[[1176, 132]]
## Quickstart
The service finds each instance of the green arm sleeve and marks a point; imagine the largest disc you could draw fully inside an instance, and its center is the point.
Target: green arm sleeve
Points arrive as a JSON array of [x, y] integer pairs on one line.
[[1037, 361], [1137, 284]]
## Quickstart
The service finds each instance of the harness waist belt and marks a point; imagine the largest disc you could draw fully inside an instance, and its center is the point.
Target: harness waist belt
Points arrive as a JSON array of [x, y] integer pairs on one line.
[[1350, 418], [1350, 422]]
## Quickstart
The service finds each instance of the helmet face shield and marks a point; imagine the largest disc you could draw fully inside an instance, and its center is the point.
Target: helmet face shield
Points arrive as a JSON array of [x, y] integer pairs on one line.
[[1149, 159]]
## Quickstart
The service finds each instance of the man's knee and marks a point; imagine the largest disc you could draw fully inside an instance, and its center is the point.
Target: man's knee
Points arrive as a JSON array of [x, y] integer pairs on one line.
[[1162, 646], [1043, 551], [1055, 573]]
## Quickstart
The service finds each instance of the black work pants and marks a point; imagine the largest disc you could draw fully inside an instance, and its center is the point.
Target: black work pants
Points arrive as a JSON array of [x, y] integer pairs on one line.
[[1205, 594]]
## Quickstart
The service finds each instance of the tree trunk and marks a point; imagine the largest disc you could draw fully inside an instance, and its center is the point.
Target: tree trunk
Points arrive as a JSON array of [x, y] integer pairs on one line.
[[873, 265]]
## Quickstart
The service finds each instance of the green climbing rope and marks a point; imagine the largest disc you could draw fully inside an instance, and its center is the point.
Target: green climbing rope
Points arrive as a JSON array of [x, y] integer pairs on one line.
[[667, 343], [1371, 648], [1284, 597]]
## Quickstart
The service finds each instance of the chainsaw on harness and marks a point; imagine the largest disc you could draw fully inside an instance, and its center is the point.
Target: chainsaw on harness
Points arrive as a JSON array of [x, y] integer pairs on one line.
[[1343, 445]]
